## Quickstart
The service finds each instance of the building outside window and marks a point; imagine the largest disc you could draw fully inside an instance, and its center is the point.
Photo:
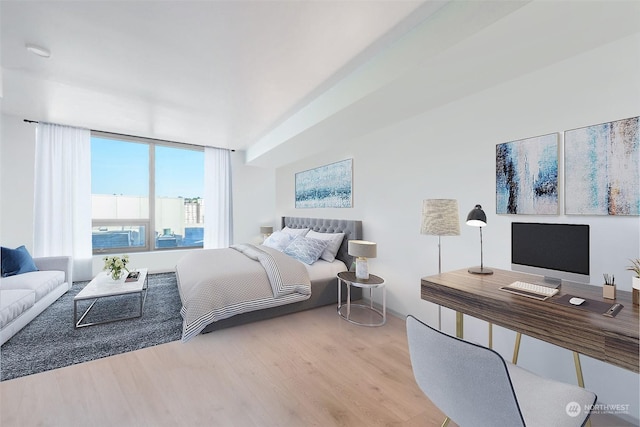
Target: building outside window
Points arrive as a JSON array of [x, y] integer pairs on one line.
[[146, 194]]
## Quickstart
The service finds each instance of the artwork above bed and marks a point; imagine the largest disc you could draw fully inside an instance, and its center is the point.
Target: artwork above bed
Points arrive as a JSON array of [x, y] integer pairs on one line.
[[328, 186]]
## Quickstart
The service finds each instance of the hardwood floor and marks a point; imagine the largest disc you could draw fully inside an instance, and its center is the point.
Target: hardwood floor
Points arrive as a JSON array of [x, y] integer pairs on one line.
[[305, 369], [310, 368]]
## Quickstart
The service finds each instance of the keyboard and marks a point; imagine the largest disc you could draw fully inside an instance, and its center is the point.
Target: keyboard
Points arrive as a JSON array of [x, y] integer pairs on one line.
[[530, 290]]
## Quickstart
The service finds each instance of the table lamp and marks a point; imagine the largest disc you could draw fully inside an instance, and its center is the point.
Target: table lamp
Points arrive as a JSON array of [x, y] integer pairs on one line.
[[477, 218], [440, 217], [265, 231], [361, 249]]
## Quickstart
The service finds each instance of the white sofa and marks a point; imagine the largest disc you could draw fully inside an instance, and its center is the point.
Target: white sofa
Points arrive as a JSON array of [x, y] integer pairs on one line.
[[24, 296]]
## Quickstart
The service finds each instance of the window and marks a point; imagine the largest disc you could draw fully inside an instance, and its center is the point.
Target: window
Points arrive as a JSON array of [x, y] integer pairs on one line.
[[178, 203], [146, 195]]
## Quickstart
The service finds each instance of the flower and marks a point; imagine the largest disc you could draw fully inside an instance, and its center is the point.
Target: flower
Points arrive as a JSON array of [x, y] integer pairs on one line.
[[115, 265]]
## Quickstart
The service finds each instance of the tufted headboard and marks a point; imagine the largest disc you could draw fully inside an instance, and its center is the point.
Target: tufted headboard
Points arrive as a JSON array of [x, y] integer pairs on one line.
[[352, 230]]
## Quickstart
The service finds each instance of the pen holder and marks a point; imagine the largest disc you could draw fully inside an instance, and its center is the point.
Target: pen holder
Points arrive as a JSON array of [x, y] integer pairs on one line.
[[609, 291]]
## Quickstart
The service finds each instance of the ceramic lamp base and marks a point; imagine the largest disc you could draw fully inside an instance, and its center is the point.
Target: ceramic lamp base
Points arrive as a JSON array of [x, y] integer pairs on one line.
[[362, 269]]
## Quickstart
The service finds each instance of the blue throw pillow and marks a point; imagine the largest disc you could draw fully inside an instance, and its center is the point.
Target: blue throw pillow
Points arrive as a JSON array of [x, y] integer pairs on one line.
[[305, 249], [16, 261]]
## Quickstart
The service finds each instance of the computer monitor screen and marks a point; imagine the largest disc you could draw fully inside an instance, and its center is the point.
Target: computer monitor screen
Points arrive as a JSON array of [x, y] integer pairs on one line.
[[556, 251]]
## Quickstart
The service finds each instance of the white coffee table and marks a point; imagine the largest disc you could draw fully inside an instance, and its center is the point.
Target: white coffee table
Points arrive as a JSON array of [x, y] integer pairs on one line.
[[102, 286]]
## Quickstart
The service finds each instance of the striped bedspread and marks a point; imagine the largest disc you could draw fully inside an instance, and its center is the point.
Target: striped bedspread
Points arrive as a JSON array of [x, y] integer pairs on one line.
[[215, 284]]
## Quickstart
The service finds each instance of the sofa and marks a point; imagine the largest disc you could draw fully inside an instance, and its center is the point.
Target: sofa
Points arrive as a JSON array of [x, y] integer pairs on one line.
[[26, 295]]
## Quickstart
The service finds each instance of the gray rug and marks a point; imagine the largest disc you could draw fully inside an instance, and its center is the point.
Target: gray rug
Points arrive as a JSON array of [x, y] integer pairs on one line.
[[50, 341]]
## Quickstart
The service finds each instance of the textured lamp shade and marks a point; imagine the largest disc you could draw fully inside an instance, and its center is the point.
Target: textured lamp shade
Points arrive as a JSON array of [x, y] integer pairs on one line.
[[440, 217], [266, 230], [362, 249]]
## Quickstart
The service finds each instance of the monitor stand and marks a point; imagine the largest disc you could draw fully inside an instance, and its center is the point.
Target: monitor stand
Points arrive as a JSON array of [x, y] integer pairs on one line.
[[550, 282]]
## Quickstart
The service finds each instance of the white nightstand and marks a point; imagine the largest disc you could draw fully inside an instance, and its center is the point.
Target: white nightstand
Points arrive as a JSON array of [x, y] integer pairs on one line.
[[349, 278]]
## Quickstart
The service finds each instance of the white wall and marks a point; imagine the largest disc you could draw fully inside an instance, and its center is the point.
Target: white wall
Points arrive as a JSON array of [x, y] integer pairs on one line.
[[449, 152], [17, 148], [253, 197]]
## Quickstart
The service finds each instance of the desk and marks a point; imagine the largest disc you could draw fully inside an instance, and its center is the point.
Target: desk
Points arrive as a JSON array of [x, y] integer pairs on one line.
[[612, 340]]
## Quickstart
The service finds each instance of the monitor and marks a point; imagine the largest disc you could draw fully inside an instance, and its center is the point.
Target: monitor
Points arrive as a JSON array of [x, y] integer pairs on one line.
[[556, 251]]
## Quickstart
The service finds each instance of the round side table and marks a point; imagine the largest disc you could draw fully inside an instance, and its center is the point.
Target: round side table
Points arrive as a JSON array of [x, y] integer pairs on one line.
[[373, 282]]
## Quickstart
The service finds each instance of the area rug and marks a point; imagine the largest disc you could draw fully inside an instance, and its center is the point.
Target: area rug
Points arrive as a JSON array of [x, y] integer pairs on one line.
[[50, 341]]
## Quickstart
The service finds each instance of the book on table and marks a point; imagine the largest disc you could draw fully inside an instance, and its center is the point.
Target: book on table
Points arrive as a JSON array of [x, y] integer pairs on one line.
[[132, 276]]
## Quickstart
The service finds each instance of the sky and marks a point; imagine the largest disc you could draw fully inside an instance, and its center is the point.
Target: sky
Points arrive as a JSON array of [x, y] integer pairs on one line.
[[119, 167]]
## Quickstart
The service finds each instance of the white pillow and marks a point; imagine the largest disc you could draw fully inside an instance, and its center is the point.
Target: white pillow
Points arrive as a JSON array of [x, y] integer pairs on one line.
[[296, 231], [305, 249], [334, 241], [278, 240]]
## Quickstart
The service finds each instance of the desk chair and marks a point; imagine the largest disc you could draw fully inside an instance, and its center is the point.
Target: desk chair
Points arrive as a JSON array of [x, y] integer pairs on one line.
[[474, 386]]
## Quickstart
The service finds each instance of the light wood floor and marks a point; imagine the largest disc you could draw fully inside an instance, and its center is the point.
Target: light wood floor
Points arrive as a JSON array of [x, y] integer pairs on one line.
[[306, 369]]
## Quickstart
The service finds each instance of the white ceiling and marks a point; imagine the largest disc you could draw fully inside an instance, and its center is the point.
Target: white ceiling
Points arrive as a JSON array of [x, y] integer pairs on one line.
[[216, 73], [279, 78]]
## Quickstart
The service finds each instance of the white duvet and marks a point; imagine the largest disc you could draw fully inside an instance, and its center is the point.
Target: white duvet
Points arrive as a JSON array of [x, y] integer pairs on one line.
[[215, 284]]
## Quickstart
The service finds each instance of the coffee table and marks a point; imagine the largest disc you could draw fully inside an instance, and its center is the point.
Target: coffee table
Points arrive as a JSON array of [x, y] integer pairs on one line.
[[103, 286]]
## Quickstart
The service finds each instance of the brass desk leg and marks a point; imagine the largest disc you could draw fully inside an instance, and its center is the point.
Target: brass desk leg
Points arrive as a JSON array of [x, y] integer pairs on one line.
[[576, 361], [445, 423], [578, 365], [490, 335], [459, 325], [516, 348]]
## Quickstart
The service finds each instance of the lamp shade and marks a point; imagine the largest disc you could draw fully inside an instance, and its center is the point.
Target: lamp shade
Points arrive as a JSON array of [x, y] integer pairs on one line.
[[477, 217], [266, 230], [440, 217], [362, 248]]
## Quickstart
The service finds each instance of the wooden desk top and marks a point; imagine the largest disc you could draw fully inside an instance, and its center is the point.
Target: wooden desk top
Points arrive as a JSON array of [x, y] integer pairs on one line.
[[612, 340]]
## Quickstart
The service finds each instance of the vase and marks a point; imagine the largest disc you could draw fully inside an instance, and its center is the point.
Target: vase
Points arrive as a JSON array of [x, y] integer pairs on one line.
[[115, 274], [635, 285]]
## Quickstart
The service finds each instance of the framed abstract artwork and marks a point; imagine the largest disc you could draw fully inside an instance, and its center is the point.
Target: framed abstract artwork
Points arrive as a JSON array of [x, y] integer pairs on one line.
[[527, 176], [602, 169], [328, 186]]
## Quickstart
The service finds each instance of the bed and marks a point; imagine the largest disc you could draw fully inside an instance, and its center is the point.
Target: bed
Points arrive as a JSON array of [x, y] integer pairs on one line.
[[194, 274]]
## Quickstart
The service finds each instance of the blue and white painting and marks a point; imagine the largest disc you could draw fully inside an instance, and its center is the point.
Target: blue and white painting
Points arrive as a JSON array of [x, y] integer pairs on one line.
[[527, 176], [602, 169], [328, 186]]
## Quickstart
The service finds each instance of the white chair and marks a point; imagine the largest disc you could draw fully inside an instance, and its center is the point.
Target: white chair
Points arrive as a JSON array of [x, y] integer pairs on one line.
[[474, 386]]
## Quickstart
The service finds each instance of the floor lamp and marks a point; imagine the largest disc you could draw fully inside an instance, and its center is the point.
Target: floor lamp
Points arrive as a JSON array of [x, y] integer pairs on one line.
[[440, 217]]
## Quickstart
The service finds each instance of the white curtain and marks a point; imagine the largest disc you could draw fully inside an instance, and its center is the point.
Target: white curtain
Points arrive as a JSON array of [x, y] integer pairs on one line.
[[62, 205], [218, 221]]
